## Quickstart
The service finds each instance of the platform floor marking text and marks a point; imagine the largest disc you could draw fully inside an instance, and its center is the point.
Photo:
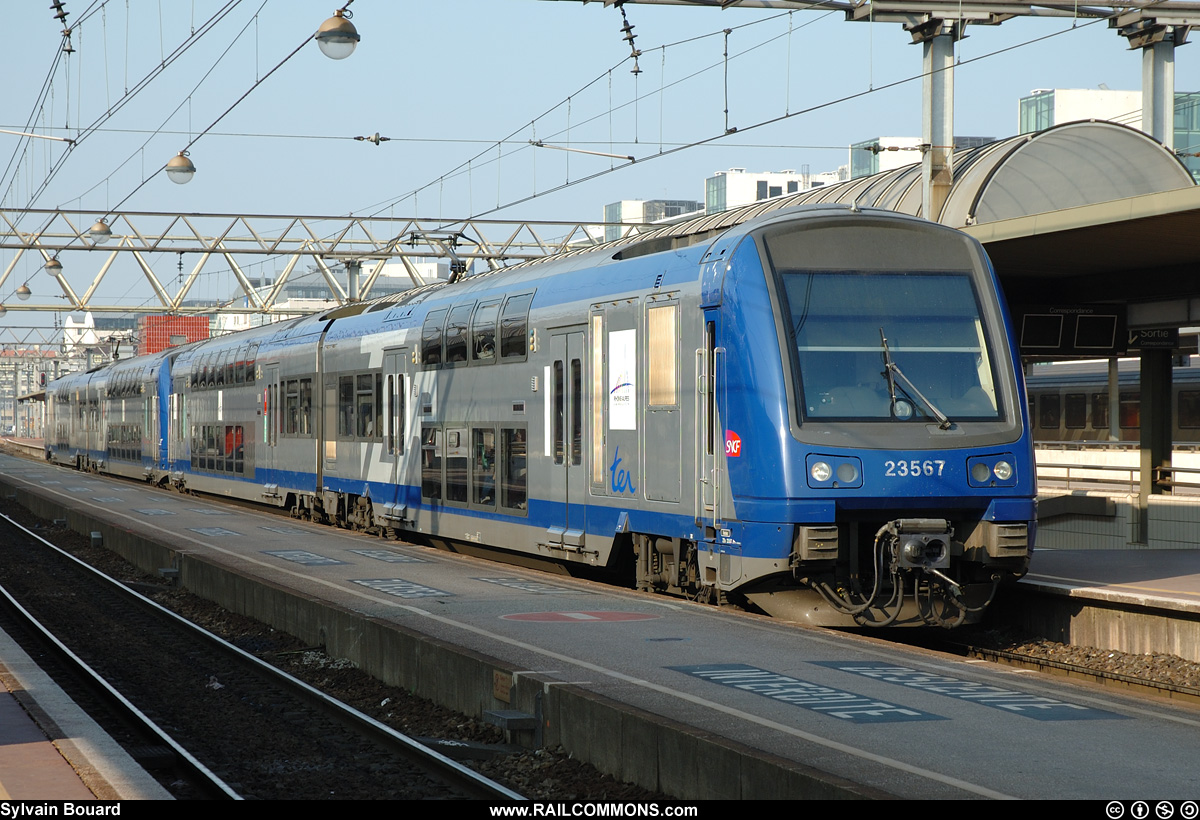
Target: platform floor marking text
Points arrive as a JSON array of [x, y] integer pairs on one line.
[[401, 588], [836, 703], [1008, 700]]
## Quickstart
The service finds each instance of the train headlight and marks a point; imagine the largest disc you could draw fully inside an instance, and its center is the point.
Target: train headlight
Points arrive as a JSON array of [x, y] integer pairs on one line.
[[833, 472], [821, 472], [991, 471]]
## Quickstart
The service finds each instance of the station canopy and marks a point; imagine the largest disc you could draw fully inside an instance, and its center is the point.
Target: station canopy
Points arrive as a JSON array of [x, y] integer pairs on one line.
[[1084, 211], [1070, 165]]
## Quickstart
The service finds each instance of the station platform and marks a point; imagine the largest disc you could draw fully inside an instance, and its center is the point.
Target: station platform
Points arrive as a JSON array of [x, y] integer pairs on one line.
[[1166, 579], [51, 750], [1139, 601], [692, 700]]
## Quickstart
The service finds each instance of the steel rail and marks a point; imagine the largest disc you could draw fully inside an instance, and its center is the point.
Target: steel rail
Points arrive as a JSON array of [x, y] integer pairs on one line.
[[467, 780]]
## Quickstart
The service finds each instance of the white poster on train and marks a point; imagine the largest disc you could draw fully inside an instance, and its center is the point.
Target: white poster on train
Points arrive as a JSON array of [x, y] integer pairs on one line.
[[622, 380]]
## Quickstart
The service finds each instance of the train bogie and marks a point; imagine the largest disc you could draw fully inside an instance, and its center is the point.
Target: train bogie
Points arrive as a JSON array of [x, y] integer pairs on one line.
[[821, 399]]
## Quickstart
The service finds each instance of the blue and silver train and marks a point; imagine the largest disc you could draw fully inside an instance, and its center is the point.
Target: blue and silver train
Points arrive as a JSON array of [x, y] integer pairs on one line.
[[818, 411]]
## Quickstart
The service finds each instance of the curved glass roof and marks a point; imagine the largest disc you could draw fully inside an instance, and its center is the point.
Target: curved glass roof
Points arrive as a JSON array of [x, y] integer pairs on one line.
[[1069, 165]]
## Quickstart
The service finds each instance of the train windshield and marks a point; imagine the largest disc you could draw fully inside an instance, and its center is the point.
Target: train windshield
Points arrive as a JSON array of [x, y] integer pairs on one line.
[[894, 345]]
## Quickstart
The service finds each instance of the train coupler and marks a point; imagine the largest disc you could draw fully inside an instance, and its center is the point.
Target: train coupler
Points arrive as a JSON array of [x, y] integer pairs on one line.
[[918, 543]]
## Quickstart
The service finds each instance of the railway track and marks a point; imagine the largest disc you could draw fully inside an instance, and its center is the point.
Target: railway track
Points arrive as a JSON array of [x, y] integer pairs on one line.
[[241, 727]]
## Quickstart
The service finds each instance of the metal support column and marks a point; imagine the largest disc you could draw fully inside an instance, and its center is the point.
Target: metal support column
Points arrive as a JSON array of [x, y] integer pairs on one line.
[[1158, 90], [1156, 431], [1157, 37], [937, 113], [353, 269], [1114, 401]]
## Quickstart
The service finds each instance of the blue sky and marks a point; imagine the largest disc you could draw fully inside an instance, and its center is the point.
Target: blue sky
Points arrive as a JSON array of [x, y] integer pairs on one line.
[[448, 79]]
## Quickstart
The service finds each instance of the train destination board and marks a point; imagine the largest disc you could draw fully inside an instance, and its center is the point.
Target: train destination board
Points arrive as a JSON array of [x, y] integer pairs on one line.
[[1008, 700], [836, 703]]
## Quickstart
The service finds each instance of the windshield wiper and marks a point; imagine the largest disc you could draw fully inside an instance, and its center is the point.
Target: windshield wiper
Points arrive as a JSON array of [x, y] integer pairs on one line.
[[892, 371]]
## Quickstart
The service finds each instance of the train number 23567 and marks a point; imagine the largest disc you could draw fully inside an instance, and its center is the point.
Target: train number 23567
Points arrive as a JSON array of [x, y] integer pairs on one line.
[[904, 469]]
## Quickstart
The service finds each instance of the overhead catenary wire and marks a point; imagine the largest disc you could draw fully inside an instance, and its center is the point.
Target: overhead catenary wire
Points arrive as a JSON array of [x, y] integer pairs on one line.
[[113, 109]]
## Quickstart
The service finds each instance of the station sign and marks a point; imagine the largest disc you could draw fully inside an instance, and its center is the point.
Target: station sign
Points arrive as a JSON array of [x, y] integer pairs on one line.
[[1154, 338], [1064, 331]]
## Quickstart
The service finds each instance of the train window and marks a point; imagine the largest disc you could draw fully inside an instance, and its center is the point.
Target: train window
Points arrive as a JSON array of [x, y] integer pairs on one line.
[[431, 338], [252, 362], [431, 463], [483, 332], [576, 411], [514, 326], [1189, 408], [239, 366], [365, 392], [598, 394], [222, 365], [458, 457], [395, 434], [1099, 411], [291, 407], [346, 406], [1075, 411], [1049, 413], [559, 410], [661, 354], [513, 477], [483, 466], [456, 333], [1131, 415], [306, 401]]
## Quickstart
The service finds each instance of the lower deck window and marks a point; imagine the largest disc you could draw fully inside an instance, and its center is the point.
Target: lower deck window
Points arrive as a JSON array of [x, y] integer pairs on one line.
[[219, 448], [431, 463], [514, 474]]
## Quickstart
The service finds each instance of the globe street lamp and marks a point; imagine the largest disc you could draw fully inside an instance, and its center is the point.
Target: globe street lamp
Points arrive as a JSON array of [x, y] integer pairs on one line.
[[337, 36]]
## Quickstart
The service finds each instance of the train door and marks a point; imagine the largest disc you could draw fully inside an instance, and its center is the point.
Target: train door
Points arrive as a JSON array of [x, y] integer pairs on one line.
[[568, 478], [712, 443], [397, 389], [270, 399]]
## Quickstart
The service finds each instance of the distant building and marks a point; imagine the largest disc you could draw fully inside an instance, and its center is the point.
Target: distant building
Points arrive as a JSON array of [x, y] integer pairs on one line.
[[631, 211], [881, 154], [735, 187], [1047, 107], [23, 372], [158, 332]]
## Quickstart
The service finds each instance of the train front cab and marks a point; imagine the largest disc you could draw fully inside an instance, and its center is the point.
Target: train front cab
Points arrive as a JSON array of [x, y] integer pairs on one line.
[[879, 430]]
